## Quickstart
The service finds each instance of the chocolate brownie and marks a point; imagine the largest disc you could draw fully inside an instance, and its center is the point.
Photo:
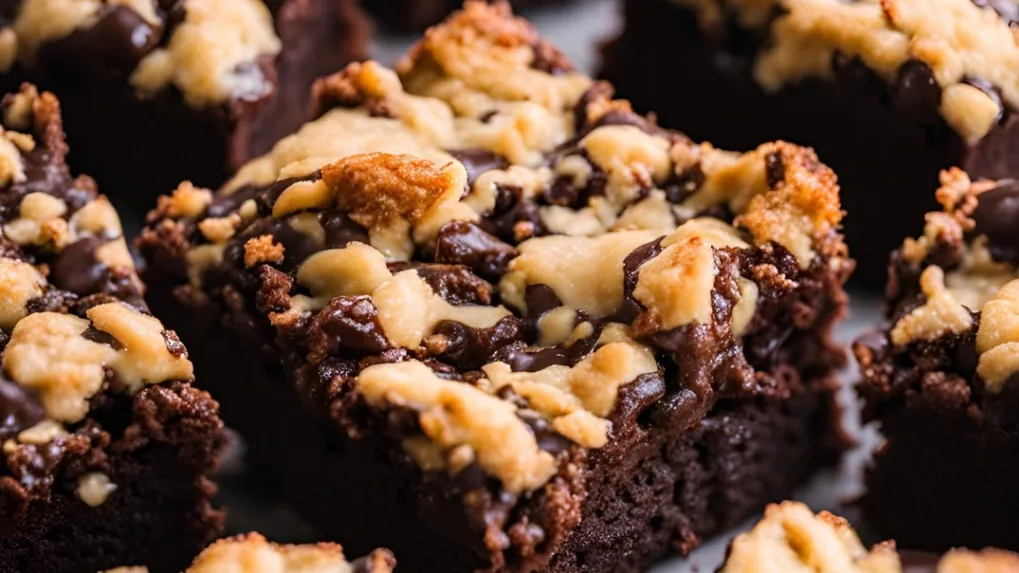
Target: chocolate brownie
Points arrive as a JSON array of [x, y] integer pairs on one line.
[[506, 321], [889, 93], [416, 15], [942, 379], [791, 539], [253, 553], [106, 450], [187, 89]]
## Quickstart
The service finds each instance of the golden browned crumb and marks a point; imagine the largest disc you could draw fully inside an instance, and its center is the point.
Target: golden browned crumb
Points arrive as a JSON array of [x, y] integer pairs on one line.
[[262, 249]]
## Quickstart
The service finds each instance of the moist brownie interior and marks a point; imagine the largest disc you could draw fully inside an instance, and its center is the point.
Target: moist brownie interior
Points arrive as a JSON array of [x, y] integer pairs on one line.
[[187, 89], [791, 539], [888, 93], [507, 321], [942, 379], [106, 450]]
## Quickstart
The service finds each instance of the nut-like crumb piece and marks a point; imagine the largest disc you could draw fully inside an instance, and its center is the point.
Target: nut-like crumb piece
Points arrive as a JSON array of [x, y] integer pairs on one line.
[[252, 553], [791, 539], [185, 201], [986, 561], [220, 229], [454, 414], [94, 488], [262, 249], [20, 282], [998, 337], [940, 315], [42, 433]]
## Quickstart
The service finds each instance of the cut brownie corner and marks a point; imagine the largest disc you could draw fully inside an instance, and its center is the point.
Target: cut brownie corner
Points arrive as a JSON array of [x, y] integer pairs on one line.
[[108, 452], [790, 538], [543, 332], [941, 379], [252, 552], [190, 88]]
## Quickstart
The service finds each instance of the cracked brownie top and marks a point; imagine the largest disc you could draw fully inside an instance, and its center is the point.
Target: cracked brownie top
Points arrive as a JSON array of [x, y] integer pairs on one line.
[[211, 51], [482, 256], [791, 539], [953, 299], [960, 56], [73, 328], [252, 552]]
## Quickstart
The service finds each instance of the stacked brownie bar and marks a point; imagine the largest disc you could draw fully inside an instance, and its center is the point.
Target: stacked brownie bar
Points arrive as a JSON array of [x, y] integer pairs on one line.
[[188, 89], [253, 553], [941, 378], [106, 450], [889, 93], [791, 539], [507, 322]]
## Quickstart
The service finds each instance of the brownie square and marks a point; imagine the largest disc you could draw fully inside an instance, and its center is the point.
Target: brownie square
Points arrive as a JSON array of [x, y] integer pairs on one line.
[[940, 378], [507, 321], [107, 451], [416, 15], [791, 539], [188, 89], [888, 94]]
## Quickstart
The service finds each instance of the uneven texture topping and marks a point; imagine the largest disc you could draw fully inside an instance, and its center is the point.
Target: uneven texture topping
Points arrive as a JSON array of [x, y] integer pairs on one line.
[[486, 244], [963, 43], [208, 49], [791, 539], [251, 553]]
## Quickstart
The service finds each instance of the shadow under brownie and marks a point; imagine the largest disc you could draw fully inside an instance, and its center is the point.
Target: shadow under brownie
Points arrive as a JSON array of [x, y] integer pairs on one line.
[[888, 96], [107, 449], [940, 379], [188, 89], [506, 320]]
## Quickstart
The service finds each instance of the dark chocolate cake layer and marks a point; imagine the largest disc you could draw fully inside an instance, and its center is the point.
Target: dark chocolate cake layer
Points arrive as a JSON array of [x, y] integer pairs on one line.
[[791, 539], [188, 89], [513, 324], [106, 450], [941, 378], [887, 96]]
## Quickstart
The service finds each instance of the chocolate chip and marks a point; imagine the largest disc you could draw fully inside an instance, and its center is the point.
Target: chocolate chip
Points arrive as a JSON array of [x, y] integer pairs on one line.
[[77, 270], [464, 243], [19, 409], [548, 439], [478, 161], [341, 230], [100, 337], [346, 326], [997, 217], [456, 284], [916, 92], [115, 43]]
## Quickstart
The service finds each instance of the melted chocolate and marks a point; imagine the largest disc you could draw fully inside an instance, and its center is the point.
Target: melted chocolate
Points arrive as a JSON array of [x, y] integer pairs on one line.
[[464, 243], [77, 270], [115, 44], [19, 409], [456, 284], [478, 161], [348, 326], [341, 230], [470, 348]]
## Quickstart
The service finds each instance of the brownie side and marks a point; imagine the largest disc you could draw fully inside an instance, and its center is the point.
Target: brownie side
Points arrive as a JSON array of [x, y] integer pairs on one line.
[[107, 450], [709, 74], [939, 382], [169, 134], [487, 244]]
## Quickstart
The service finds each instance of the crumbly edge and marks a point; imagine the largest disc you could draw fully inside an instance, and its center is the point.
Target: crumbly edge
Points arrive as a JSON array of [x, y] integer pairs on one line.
[[978, 291], [49, 353], [484, 80], [957, 39], [790, 538], [211, 57]]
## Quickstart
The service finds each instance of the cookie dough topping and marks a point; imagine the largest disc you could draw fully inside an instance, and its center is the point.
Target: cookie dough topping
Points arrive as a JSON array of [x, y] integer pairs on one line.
[[253, 552]]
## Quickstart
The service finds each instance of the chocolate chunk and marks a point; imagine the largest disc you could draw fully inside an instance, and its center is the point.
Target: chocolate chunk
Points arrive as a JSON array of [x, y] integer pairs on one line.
[[916, 92], [997, 217], [115, 44], [471, 348], [548, 439], [341, 230], [464, 243], [77, 270], [348, 326], [631, 272], [478, 161], [456, 284], [19, 409]]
